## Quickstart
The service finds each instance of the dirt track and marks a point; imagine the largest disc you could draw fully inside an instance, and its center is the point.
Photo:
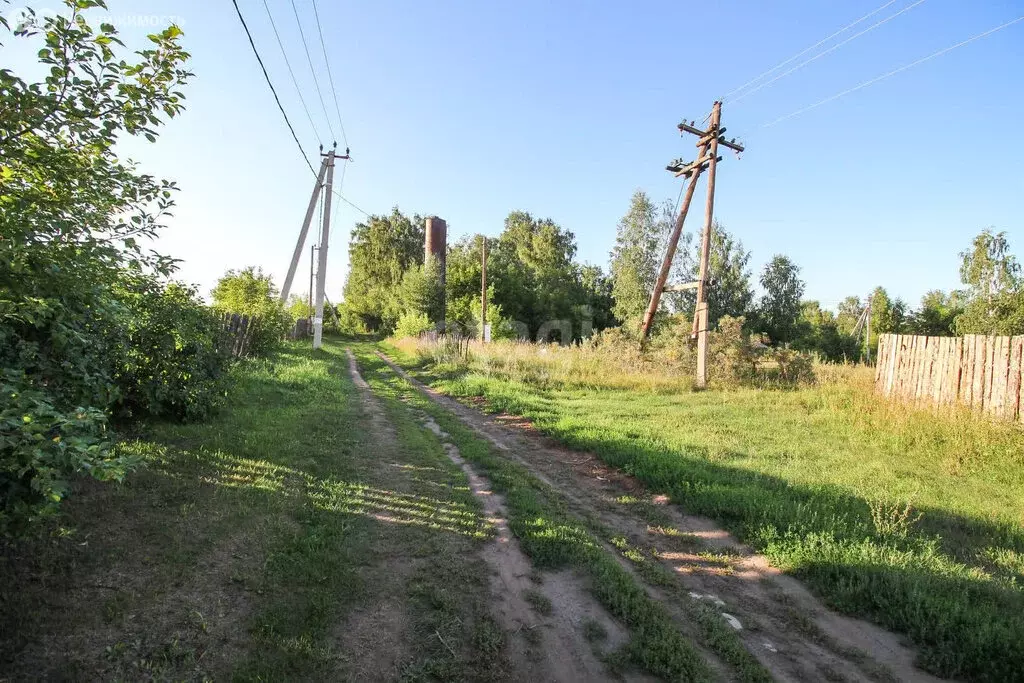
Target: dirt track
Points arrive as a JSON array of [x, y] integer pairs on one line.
[[786, 628]]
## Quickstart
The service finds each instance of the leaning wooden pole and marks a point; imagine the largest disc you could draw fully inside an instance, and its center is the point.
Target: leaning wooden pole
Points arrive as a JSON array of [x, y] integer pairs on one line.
[[670, 252]]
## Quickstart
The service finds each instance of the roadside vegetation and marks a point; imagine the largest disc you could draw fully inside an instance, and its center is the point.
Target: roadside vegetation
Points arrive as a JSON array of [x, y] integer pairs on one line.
[[249, 548], [912, 519], [555, 538]]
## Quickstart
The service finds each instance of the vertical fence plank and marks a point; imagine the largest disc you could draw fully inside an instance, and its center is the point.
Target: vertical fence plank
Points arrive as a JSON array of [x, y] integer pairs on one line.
[[893, 355], [880, 359], [955, 372], [1013, 385], [990, 364], [911, 363], [978, 374], [968, 379], [1001, 373], [939, 374]]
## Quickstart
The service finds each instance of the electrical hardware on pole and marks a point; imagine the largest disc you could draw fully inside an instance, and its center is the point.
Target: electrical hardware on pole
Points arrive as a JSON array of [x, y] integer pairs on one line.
[[708, 142]]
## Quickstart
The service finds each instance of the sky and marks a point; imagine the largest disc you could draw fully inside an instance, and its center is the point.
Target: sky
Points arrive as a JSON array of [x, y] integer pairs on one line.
[[469, 110]]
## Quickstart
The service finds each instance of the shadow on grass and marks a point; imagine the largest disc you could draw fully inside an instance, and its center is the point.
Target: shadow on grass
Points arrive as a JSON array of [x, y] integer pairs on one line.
[[952, 583], [233, 549]]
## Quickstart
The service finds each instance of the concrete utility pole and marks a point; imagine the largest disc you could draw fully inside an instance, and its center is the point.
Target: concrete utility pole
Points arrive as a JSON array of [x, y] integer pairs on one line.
[[483, 289], [321, 266], [708, 142], [286, 289], [312, 259]]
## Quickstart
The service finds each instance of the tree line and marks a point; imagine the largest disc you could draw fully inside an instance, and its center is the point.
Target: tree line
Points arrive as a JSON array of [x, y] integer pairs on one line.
[[538, 290]]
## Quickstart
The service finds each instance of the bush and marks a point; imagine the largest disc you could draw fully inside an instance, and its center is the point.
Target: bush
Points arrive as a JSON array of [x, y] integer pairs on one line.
[[42, 446], [413, 324], [173, 363], [252, 293], [87, 326]]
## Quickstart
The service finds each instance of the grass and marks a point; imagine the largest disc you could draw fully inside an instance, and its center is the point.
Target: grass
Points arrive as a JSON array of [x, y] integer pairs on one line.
[[553, 538], [254, 545], [912, 519]]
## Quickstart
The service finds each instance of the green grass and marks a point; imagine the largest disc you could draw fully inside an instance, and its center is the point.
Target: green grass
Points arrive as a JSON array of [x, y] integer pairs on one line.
[[913, 520], [246, 543], [553, 538]]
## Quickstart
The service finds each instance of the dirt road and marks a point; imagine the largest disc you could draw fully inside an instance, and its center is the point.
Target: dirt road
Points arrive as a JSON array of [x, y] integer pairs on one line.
[[789, 632]]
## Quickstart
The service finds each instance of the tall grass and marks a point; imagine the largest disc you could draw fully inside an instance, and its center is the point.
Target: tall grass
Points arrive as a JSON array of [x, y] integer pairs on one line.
[[910, 516], [549, 366]]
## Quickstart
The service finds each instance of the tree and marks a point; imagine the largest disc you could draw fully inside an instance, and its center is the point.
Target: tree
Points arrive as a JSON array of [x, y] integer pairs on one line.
[[818, 332], [779, 309], [640, 243], [381, 250], [88, 323], [995, 292], [535, 279], [848, 314], [937, 315], [730, 292], [251, 292], [887, 315], [421, 292], [988, 268]]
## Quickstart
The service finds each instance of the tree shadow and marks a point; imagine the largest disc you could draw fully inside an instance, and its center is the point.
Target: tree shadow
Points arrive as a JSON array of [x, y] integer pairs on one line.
[[927, 578]]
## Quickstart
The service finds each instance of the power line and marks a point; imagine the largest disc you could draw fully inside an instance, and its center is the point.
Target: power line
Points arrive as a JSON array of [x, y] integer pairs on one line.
[[345, 199], [291, 72], [330, 77], [891, 73], [806, 50], [272, 89], [309, 59], [828, 51]]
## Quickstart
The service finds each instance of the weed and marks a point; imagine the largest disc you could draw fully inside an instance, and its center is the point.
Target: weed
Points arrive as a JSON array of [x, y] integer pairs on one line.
[[538, 601]]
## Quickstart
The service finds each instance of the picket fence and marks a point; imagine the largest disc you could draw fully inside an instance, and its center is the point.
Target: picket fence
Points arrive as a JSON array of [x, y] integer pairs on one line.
[[978, 371]]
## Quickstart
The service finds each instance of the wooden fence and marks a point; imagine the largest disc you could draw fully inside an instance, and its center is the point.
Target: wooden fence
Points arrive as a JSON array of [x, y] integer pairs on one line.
[[238, 330], [977, 371]]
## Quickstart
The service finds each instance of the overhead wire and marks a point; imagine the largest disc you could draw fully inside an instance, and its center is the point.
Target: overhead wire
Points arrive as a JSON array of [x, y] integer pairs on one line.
[[884, 76], [346, 200], [291, 72], [316, 82], [330, 76], [806, 50], [272, 89], [828, 51]]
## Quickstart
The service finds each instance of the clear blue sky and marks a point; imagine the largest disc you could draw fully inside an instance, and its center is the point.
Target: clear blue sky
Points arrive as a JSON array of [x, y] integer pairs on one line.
[[469, 110]]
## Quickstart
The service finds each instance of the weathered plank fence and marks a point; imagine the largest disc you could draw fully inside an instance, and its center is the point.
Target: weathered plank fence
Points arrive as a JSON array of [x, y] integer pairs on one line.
[[238, 330], [977, 371]]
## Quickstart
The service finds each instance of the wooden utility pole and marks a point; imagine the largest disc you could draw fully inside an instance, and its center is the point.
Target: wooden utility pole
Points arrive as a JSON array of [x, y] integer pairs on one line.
[[483, 289], [700, 314], [708, 142]]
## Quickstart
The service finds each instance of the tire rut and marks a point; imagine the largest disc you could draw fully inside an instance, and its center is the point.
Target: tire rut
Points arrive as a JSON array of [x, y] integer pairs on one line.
[[785, 627]]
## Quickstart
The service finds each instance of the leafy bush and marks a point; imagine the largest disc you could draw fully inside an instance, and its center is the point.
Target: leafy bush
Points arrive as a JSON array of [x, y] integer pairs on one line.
[[87, 327], [251, 292], [413, 324], [41, 445], [172, 364]]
